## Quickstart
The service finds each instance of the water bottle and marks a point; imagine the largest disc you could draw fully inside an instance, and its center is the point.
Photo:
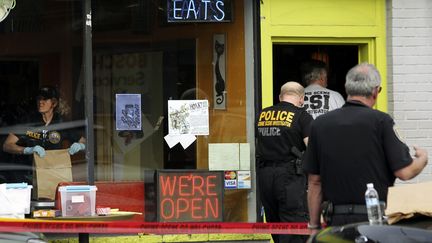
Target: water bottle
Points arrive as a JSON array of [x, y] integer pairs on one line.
[[373, 205]]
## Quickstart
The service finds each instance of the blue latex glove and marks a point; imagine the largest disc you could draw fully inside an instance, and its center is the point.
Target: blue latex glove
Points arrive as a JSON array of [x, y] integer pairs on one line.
[[36, 149], [75, 148]]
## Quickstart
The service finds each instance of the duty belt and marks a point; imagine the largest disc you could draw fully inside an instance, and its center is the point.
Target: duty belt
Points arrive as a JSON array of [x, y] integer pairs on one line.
[[275, 163], [349, 209]]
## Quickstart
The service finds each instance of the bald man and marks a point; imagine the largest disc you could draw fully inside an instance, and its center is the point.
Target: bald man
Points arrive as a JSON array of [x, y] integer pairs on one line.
[[281, 183]]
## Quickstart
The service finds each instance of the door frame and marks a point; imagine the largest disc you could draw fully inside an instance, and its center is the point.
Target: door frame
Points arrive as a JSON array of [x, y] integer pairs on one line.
[[367, 52]]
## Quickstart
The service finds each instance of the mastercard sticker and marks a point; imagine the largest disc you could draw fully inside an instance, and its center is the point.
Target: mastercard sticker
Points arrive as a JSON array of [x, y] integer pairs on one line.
[[230, 179]]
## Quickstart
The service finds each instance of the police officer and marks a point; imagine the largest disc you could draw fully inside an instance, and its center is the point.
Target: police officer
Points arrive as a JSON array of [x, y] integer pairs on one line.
[[43, 135], [281, 128], [352, 146], [318, 98]]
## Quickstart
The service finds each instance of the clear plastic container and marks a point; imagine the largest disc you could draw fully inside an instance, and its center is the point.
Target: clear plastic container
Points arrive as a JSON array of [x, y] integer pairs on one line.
[[15, 200], [78, 200]]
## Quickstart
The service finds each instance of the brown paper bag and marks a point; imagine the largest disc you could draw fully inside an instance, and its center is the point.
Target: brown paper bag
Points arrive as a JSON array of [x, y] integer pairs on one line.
[[53, 168], [406, 201]]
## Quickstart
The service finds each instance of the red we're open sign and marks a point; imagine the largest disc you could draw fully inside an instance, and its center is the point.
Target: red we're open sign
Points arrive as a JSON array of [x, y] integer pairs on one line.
[[190, 196]]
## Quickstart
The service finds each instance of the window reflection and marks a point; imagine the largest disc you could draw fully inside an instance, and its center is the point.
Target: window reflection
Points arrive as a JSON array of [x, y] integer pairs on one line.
[[134, 51]]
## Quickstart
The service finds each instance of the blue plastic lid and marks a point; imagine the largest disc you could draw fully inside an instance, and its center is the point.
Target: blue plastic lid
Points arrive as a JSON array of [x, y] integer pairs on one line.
[[21, 185], [81, 188]]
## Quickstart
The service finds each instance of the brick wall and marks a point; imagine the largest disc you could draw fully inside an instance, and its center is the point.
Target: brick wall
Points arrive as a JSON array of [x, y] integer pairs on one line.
[[409, 57]]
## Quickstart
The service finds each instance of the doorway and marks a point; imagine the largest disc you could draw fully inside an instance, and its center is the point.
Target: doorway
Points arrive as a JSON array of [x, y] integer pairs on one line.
[[288, 58]]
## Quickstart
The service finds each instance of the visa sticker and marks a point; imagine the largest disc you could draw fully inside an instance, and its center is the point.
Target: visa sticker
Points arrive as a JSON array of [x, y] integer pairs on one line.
[[231, 184]]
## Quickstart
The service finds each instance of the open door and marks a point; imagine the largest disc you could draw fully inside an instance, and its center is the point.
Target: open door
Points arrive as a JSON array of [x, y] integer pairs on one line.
[[288, 59], [342, 54]]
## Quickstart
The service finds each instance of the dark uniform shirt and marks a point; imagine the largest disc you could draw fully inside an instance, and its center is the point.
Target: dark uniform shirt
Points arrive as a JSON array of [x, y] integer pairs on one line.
[[48, 137], [351, 147], [280, 127]]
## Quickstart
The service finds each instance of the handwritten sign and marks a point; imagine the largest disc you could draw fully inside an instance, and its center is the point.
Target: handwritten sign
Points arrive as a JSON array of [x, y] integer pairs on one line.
[[190, 196], [199, 10]]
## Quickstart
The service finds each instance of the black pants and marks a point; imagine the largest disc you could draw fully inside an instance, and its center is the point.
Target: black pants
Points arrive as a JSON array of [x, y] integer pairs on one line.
[[283, 195]]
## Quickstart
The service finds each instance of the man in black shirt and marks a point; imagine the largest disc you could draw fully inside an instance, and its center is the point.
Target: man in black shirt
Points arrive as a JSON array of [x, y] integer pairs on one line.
[[280, 128], [353, 146]]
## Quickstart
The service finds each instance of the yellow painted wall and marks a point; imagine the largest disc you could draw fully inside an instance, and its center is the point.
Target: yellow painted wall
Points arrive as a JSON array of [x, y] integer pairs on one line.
[[339, 22]]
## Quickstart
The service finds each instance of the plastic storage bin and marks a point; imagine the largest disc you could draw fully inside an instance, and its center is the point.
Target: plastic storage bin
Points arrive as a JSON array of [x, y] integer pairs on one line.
[[15, 200], [78, 200]]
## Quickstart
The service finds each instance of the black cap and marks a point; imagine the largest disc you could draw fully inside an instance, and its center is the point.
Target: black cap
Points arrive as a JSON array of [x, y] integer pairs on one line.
[[47, 92]]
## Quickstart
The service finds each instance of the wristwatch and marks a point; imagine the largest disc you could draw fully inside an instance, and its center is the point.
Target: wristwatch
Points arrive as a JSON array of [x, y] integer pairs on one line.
[[313, 226]]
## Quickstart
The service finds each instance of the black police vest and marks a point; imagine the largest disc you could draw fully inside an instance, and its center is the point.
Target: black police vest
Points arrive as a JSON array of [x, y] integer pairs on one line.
[[279, 128]]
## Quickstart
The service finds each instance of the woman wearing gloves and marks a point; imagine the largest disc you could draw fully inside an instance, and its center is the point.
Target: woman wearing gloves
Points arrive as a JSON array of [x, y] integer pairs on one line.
[[45, 134]]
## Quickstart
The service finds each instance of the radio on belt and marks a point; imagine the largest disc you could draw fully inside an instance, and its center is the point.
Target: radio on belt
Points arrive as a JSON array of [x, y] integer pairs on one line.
[[78, 200]]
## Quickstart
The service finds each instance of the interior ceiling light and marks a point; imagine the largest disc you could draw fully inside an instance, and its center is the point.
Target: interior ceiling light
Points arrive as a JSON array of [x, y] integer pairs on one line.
[[5, 8]]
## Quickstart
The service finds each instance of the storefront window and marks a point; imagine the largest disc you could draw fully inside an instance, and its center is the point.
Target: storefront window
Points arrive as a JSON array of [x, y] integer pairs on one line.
[[41, 47], [146, 55]]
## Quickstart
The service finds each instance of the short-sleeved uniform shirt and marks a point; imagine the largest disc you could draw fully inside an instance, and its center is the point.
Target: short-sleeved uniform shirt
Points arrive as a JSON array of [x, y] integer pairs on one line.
[[48, 137], [352, 146], [320, 100], [280, 127]]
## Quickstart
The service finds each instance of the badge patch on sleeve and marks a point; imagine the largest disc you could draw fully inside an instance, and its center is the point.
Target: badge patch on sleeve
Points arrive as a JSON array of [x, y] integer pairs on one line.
[[396, 131]]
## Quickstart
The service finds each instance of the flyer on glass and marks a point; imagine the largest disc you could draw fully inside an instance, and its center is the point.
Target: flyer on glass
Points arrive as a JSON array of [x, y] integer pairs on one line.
[[188, 117], [128, 111]]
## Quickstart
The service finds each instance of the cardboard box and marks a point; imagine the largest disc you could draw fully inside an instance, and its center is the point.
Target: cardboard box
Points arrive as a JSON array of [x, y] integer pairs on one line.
[[53, 168], [15, 200], [408, 200], [78, 200]]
